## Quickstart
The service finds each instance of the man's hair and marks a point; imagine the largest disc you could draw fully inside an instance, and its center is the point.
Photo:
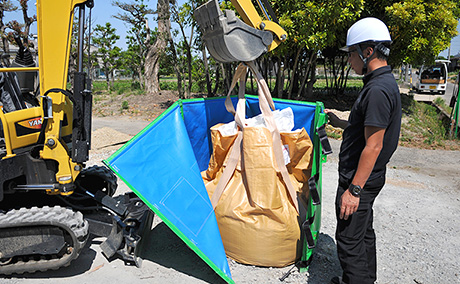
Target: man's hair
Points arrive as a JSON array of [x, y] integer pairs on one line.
[[379, 53]]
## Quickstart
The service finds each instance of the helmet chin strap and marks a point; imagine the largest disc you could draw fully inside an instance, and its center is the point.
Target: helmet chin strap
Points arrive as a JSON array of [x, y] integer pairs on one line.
[[384, 50], [364, 59]]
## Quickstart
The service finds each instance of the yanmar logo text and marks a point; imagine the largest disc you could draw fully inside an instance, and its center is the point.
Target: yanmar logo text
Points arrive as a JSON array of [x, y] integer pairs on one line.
[[34, 123]]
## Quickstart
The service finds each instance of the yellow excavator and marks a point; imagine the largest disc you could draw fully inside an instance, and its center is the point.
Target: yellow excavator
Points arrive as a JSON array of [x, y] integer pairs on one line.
[[49, 201]]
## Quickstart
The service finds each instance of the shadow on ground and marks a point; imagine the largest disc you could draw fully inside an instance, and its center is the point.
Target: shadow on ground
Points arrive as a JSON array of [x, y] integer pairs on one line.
[[325, 264], [165, 248]]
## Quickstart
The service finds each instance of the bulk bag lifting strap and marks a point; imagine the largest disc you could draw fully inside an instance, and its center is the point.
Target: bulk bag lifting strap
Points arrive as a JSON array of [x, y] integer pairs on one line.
[[266, 103]]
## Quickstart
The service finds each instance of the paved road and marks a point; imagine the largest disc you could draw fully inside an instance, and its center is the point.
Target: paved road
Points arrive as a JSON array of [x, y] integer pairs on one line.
[[427, 97]]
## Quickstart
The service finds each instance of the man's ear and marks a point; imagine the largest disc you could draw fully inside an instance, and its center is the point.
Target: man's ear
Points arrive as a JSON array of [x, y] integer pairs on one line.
[[369, 51]]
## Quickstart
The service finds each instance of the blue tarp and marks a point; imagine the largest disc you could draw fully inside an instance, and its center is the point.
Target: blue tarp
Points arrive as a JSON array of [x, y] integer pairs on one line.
[[159, 165], [162, 165]]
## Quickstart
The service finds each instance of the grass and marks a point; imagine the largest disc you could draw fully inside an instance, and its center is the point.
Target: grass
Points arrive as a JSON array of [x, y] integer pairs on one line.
[[351, 83], [443, 105], [424, 126], [334, 133], [119, 87], [128, 87]]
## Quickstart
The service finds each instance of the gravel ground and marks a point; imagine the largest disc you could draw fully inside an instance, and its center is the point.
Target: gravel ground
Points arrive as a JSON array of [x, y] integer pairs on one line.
[[416, 221]]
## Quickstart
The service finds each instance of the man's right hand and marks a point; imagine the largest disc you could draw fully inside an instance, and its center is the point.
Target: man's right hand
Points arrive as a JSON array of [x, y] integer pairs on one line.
[[348, 205], [334, 120]]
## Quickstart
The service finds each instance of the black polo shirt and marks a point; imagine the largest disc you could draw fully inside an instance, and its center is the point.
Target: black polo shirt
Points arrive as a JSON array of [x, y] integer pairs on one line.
[[379, 105]]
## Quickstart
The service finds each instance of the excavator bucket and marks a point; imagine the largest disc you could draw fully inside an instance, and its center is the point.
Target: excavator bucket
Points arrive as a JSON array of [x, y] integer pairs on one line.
[[228, 38]]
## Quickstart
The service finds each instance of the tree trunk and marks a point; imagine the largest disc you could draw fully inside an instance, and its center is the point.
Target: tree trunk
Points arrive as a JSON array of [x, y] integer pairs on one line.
[[294, 70], [227, 78], [28, 21], [107, 79], [5, 43], [312, 80], [112, 79], [140, 76], [206, 70], [189, 68], [152, 59], [252, 83], [280, 79], [307, 72], [176, 68], [406, 73], [216, 86]]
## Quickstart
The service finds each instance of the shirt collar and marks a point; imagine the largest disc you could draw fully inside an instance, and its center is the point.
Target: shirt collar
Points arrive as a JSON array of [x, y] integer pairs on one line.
[[375, 73]]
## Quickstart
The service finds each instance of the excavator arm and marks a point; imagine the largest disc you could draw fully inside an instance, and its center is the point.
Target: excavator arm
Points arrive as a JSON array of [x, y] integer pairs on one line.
[[54, 42], [250, 16], [230, 39]]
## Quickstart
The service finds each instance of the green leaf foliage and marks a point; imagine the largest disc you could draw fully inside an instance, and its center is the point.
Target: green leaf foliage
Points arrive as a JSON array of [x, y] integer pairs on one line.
[[317, 24], [421, 29], [108, 53]]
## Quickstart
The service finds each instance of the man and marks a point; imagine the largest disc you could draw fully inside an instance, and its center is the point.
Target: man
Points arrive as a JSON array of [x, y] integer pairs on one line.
[[370, 138]]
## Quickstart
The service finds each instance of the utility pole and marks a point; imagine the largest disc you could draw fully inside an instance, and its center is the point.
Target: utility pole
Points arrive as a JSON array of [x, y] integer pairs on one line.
[[448, 53], [449, 65]]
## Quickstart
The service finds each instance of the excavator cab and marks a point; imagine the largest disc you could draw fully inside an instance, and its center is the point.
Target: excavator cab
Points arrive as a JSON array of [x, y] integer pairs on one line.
[[230, 39]]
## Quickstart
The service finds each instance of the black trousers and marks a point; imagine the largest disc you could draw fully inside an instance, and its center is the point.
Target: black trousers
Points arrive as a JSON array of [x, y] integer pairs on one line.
[[355, 237]]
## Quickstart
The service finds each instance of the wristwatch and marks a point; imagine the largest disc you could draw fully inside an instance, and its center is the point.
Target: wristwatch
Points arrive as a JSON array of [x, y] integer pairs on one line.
[[355, 190]]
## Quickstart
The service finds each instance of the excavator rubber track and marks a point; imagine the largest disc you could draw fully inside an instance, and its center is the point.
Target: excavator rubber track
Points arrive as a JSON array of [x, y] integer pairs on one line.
[[39, 239]]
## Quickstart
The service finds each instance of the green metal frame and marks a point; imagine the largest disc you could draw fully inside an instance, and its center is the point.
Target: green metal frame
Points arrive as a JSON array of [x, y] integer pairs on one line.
[[315, 210], [455, 115]]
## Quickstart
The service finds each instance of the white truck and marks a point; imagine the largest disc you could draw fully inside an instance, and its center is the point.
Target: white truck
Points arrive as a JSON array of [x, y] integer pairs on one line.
[[433, 78]]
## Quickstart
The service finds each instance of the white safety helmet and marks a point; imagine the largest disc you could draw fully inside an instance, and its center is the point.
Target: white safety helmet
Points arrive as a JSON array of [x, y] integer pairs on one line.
[[367, 30]]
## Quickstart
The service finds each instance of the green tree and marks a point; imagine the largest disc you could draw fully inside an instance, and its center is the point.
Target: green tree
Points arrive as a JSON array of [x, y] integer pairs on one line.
[[421, 29], [23, 30], [311, 27], [5, 6], [108, 53], [130, 64], [135, 16]]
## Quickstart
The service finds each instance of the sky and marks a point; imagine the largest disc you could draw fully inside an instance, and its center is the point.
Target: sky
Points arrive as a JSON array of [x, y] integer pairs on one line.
[[102, 13]]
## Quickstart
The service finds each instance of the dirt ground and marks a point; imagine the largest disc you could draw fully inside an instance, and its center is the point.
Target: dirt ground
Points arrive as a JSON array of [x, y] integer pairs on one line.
[[416, 222], [141, 107]]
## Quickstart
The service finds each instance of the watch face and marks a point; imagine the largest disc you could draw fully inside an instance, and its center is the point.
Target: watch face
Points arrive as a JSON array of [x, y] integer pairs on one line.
[[355, 190]]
